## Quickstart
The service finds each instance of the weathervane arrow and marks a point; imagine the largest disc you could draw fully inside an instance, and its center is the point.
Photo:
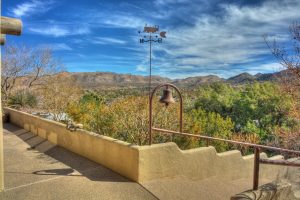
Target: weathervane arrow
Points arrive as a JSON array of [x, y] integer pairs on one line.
[[163, 34]]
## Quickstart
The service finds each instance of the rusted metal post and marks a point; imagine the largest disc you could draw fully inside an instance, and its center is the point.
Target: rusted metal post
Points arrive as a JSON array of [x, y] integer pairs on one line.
[[207, 142], [151, 105], [256, 168], [150, 119]]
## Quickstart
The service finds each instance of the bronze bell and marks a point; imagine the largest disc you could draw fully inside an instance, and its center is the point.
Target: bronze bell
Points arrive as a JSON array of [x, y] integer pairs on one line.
[[167, 97]]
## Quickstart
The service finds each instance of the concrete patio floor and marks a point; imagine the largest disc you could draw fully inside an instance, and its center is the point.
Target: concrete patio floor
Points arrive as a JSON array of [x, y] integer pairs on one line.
[[37, 169]]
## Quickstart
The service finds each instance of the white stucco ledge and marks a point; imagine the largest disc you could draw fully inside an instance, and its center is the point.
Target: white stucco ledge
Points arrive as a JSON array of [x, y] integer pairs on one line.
[[145, 163]]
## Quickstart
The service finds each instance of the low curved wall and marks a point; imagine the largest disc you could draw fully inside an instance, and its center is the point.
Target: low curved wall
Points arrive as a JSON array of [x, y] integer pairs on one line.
[[145, 163]]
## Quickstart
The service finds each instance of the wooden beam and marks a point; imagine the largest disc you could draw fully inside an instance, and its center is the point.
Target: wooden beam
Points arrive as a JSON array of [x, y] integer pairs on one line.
[[2, 39], [10, 26]]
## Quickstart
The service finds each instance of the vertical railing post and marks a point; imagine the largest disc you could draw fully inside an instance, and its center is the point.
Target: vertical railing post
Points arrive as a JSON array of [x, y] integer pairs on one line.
[[207, 142], [150, 118], [256, 168]]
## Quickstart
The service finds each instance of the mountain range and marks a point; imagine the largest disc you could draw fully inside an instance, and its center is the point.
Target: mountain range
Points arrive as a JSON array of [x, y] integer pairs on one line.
[[102, 80]]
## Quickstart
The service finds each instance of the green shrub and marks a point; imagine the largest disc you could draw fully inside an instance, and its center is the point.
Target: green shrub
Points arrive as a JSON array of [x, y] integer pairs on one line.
[[22, 99]]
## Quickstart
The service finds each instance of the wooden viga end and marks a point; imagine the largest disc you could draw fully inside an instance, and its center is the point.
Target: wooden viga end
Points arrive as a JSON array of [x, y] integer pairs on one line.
[[9, 26]]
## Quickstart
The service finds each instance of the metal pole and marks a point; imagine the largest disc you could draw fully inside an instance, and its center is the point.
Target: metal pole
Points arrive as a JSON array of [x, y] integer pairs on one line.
[[150, 63], [150, 101], [256, 168], [149, 30]]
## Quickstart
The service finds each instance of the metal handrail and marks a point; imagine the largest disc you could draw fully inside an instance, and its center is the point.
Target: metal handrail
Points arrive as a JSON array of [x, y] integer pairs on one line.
[[228, 141], [279, 162], [257, 149]]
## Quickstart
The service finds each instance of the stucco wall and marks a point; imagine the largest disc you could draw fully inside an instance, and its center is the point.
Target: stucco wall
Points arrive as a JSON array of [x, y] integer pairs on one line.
[[167, 160], [145, 163]]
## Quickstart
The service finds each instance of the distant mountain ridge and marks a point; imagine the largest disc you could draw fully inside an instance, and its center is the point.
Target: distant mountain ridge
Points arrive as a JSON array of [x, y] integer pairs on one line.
[[248, 78], [101, 80], [95, 80], [197, 80]]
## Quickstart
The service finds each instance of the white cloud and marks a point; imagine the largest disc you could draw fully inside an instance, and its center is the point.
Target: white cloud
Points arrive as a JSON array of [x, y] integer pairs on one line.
[[58, 31], [227, 41], [124, 21], [236, 39], [107, 40], [141, 68], [265, 68], [57, 46], [165, 2], [30, 7]]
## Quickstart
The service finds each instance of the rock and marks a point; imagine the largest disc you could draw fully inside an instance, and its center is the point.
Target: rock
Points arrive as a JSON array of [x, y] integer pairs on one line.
[[73, 127], [281, 190]]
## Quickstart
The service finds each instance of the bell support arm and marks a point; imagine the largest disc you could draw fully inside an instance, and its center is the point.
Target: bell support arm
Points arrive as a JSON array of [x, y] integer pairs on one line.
[[151, 106]]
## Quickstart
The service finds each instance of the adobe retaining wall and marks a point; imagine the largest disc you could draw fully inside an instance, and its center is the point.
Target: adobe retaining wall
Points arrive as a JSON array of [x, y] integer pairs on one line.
[[144, 163], [117, 155]]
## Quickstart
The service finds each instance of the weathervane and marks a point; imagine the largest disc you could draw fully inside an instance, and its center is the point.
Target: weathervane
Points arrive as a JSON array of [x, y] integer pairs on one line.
[[151, 34]]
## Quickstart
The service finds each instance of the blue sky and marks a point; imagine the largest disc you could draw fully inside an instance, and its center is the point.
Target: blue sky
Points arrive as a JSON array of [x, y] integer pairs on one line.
[[204, 37]]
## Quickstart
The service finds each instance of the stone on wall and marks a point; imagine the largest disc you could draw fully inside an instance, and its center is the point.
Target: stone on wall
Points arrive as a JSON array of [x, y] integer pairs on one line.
[[281, 190]]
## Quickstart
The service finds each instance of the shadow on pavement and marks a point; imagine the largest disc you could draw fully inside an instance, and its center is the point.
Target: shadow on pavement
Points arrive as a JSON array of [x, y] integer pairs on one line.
[[83, 166]]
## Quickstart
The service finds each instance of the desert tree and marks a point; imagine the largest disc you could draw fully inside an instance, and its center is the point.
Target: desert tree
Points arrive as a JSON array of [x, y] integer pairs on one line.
[[288, 56], [57, 94], [23, 67]]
